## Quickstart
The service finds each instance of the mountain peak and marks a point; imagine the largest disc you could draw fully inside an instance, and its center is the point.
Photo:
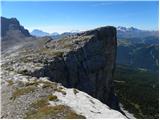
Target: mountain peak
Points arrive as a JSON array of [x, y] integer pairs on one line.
[[54, 34], [121, 28], [39, 33], [10, 25], [124, 29]]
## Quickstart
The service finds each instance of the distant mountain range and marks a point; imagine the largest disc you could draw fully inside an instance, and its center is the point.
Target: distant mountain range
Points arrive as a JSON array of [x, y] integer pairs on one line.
[[122, 32], [138, 48], [40, 33]]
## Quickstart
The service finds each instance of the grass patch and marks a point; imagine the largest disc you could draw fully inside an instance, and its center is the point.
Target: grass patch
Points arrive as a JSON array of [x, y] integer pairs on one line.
[[73, 115], [46, 84], [34, 83], [84, 38], [26, 59], [59, 53], [54, 112], [24, 72], [60, 89], [51, 52], [39, 103], [68, 46], [10, 82], [22, 91], [75, 91], [52, 97]]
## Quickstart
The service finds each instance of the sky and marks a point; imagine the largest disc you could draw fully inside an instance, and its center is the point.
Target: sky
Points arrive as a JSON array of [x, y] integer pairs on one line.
[[62, 16]]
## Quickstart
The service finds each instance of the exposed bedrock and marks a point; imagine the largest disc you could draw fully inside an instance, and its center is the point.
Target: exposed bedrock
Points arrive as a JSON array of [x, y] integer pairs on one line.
[[89, 66]]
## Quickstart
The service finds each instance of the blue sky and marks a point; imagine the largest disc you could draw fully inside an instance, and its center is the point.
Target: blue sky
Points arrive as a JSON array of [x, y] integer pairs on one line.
[[67, 16]]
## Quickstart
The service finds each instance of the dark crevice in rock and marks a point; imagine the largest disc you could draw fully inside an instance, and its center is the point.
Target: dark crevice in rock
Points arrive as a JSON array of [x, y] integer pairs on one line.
[[66, 69]]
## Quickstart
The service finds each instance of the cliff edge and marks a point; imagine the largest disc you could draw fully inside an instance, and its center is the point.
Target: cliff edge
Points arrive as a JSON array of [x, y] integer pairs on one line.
[[84, 61]]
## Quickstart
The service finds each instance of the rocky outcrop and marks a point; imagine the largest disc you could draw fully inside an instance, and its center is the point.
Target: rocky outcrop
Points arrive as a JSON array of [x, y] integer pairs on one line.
[[12, 25], [12, 33], [86, 62]]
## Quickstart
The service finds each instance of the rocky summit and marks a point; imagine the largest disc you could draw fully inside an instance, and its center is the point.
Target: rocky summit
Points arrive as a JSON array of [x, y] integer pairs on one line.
[[8, 26], [12, 32], [70, 77]]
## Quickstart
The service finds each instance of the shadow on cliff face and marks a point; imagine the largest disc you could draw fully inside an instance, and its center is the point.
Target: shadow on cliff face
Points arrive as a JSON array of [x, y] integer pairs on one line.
[[89, 68]]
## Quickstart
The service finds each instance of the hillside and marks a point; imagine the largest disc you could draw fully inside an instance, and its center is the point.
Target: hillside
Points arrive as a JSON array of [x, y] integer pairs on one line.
[[131, 32], [39, 98], [134, 45], [138, 91], [136, 77], [133, 55], [12, 33], [41, 76]]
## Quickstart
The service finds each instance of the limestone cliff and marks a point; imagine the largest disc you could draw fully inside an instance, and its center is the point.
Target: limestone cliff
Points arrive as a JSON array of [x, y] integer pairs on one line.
[[86, 62]]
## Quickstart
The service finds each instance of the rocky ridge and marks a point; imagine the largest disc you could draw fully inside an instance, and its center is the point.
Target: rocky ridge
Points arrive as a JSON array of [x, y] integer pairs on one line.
[[38, 68], [12, 33], [85, 62]]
